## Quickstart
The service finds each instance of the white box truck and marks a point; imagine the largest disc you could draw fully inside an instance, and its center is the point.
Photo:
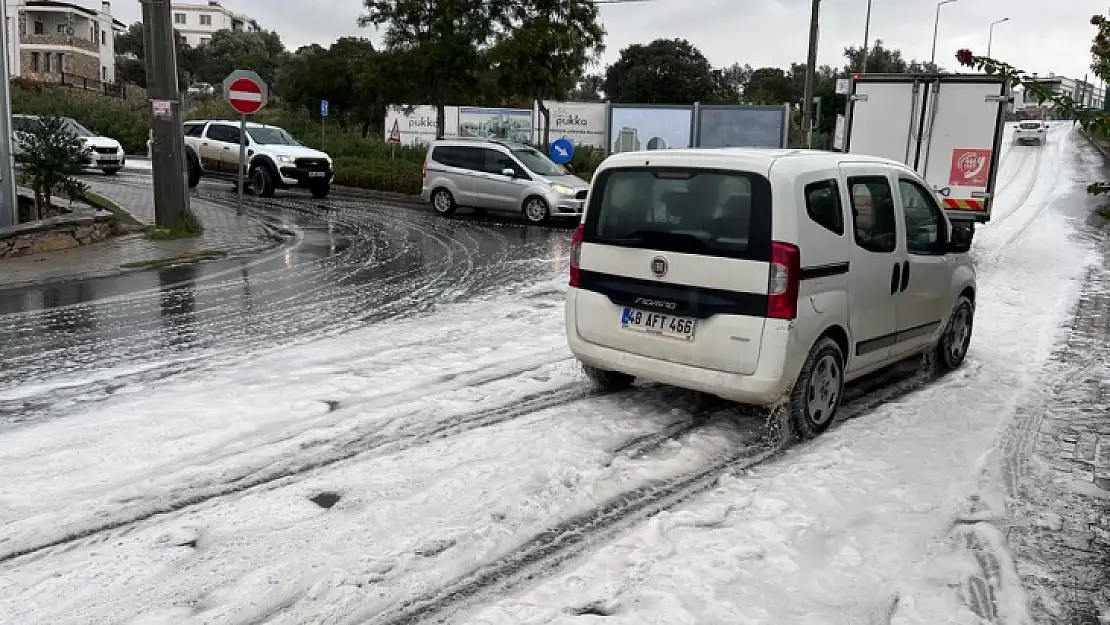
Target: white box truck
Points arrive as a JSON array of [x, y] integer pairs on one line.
[[947, 127]]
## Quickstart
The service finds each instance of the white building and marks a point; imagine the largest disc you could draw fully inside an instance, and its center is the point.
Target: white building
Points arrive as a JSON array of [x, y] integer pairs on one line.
[[1084, 93], [197, 22], [53, 41]]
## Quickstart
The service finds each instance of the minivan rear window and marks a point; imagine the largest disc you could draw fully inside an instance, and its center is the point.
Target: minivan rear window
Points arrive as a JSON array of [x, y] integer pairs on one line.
[[1030, 125], [689, 210]]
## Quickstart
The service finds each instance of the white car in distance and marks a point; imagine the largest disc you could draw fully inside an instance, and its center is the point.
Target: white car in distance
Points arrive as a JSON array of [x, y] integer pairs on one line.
[[1032, 131], [767, 277], [103, 153]]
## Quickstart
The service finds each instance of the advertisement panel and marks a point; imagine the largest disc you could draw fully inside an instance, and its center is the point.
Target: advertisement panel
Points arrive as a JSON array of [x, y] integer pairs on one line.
[[500, 123], [649, 127], [581, 123], [742, 126], [416, 124]]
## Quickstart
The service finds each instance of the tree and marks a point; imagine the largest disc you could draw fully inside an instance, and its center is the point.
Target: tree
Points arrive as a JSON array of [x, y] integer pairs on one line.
[[131, 57], [443, 42], [883, 60], [770, 85], [731, 82], [665, 71], [543, 47], [589, 89], [229, 50], [1095, 121], [52, 157]]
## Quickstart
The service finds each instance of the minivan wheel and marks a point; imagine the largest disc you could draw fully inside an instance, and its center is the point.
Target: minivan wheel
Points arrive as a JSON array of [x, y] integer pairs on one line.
[[953, 344], [817, 393], [608, 380], [443, 202], [536, 210]]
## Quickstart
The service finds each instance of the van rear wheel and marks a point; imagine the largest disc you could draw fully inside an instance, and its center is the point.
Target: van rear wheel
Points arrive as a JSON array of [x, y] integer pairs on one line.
[[443, 203], [953, 344], [608, 380], [817, 393]]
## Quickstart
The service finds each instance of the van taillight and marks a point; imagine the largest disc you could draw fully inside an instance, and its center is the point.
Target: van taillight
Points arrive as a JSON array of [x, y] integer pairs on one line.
[[576, 255], [784, 281], [425, 171]]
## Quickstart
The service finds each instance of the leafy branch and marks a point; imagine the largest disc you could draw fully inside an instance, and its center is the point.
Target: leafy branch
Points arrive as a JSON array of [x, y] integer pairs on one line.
[[1093, 120]]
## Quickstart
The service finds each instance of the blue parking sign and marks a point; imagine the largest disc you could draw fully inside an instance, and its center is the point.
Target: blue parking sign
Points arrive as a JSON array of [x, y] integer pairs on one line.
[[562, 150], [323, 108]]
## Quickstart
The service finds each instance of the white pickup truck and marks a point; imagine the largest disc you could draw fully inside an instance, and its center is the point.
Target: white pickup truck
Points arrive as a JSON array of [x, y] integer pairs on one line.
[[275, 160], [1030, 131]]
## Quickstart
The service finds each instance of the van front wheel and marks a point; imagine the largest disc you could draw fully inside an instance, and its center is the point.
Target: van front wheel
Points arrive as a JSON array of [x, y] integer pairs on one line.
[[817, 393], [536, 210], [607, 381]]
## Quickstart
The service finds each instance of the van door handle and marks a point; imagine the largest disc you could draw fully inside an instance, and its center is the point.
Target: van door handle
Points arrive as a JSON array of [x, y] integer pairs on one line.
[[905, 275], [894, 278]]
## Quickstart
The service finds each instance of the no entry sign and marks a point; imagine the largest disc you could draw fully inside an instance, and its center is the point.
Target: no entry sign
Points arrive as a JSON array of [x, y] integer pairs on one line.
[[246, 92]]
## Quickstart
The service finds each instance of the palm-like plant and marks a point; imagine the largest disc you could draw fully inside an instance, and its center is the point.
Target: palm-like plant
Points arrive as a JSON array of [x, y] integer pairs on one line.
[[52, 157]]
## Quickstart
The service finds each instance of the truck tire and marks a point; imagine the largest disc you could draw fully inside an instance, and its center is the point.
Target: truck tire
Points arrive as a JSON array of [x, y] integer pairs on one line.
[[194, 174], [262, 180]]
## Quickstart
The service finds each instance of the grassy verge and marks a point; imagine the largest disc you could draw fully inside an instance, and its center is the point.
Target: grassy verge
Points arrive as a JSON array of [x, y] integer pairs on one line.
[[194, 257], [105, 204], [188, 227]]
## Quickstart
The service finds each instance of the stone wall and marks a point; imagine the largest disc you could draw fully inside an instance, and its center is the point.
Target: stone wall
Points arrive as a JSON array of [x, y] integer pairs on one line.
[[55, 234]]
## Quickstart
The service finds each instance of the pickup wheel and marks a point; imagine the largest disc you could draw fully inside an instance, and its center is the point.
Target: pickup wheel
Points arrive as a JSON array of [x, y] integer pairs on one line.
[[262, 180], [319, 190], [194, 174]]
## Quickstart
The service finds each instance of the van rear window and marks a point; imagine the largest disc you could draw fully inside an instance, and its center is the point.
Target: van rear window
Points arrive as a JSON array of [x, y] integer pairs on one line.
[[1030, 125], [694, 211]]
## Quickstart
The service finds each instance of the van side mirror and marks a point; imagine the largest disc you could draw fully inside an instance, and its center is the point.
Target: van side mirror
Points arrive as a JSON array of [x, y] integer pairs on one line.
[[960, 240], [508, 172]]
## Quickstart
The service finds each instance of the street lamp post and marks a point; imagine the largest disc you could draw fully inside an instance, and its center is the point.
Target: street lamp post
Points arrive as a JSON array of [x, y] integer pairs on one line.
[[9, 197], [936, 26], [990, 33]]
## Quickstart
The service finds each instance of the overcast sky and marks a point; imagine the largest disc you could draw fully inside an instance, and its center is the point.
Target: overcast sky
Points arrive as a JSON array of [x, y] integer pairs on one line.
[[1042, 35]]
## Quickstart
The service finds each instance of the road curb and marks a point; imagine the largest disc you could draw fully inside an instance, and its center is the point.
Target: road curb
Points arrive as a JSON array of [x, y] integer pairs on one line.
[[344, 192]]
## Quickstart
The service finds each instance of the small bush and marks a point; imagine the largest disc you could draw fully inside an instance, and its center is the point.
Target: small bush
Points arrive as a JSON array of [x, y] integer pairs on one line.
[[187, 227], [396, 176]]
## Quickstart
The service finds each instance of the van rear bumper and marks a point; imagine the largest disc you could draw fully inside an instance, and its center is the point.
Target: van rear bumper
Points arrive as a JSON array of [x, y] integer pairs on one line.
[[766, 387]]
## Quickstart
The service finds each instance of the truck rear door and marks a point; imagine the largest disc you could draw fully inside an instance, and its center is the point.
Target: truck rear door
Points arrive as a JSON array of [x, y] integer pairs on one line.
[[964, 117], [948, 128]]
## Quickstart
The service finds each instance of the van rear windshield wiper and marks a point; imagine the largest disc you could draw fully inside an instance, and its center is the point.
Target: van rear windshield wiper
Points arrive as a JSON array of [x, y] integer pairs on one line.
[[660, 238]]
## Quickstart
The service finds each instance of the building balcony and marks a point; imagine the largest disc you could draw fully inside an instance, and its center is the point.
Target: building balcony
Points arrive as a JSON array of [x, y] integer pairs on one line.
[[61, 40]]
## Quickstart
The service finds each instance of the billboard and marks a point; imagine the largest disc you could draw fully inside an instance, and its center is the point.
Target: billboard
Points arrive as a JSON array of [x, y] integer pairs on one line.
[[500, 123], [742, 126], [416, 124], [581, 123], [649, 127]]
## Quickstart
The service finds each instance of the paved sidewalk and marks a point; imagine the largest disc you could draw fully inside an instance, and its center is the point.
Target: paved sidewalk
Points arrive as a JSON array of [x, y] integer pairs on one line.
[[1060, 532], [225, 234]]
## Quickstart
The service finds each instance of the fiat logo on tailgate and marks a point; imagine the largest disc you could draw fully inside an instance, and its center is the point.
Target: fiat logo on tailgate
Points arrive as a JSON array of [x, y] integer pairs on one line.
[[659, 266]]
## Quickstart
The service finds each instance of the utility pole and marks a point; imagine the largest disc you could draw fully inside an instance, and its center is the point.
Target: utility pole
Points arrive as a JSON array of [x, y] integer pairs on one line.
[[9, 198], [167, 158], [866, 40], [811, 74]]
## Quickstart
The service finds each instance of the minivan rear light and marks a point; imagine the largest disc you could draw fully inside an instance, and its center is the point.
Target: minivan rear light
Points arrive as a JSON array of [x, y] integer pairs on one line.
[[424, 172], [576, 256], [784, 281]]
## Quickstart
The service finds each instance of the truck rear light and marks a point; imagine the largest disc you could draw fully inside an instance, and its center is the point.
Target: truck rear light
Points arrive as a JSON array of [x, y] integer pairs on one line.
[[784, 281], [576, 256]]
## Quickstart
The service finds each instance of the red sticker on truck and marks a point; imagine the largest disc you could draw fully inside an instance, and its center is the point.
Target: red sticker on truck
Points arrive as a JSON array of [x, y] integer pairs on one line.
[[970, 167]]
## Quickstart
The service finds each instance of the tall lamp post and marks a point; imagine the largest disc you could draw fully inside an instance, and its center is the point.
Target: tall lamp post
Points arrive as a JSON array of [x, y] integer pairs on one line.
[[936, 26], [990, 33], [9, 203]]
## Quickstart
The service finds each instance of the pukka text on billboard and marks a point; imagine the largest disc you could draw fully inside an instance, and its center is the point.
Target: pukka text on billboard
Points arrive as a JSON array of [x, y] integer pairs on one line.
[[416, 124], [582, 123]]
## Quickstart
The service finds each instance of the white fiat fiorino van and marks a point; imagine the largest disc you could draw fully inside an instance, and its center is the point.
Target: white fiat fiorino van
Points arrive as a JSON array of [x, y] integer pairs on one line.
[[767, 277]]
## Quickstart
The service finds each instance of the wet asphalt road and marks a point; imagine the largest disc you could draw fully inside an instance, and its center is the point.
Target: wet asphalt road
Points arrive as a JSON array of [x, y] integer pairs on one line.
[[353, 263]]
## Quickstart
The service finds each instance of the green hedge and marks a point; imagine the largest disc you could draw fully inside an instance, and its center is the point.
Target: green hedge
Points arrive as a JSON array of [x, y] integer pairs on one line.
[[396, 176], [118, 119]]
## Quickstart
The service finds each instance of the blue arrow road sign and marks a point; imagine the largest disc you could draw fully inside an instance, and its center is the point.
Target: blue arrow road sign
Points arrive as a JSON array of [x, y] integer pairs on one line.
[[562, 150], [323, 108]]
